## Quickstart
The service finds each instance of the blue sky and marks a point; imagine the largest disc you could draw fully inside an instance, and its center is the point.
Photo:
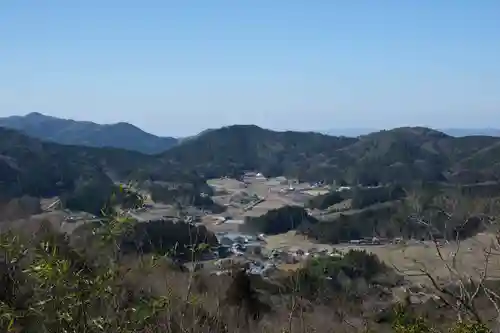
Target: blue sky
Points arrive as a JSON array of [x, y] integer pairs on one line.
[[177, 67]]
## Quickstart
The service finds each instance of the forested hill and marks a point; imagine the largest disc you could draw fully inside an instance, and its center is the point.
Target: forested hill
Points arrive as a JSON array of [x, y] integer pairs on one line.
[[38, 168], [397, 155], [33, 167], [86, 133]]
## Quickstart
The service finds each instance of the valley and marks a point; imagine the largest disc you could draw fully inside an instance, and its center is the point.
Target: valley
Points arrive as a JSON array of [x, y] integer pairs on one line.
[[249, 167], [274, 205]]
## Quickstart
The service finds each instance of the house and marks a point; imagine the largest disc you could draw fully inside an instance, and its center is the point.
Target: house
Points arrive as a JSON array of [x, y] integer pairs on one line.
[[300, 252], [226, 241], [223, 251], [254, 249], [268, 269], [235, 222], [239, 247], [240, 240]]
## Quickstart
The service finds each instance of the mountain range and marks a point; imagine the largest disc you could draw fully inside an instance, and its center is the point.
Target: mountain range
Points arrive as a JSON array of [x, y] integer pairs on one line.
[[43, 168], [126, 136], [399, 155], [458, 132], [86, 133]]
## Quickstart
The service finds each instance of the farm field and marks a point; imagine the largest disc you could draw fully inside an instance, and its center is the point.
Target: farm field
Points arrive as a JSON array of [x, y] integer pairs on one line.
[[413, 258]]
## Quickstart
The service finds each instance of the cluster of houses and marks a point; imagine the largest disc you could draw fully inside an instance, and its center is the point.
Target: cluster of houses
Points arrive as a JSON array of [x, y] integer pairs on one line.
[[267, 264], [250, 250], [239, 244], [257, 267], [374, 241], [295, 255]]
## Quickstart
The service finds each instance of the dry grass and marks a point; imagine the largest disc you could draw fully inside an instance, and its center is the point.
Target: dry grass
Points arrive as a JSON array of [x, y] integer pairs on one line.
[[290, 267], [263, 189], [470, 258], [317, 192], [414, 257], [198, 303]]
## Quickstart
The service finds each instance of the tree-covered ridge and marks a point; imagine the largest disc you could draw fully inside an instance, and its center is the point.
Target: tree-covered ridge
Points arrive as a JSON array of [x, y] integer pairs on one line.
[[86, 133], [230, 150], [399, 155], [31, 167]]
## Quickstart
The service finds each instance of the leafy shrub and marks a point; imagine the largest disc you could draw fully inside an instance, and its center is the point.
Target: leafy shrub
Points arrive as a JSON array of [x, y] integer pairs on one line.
[[326, 200], [280, 220], [322, 275], [364, 197]]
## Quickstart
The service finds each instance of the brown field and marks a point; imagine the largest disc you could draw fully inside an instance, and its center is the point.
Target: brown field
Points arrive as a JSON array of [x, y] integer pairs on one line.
[[316, 192], [269, 190], [290, 267], [270, 203], [412, 259]]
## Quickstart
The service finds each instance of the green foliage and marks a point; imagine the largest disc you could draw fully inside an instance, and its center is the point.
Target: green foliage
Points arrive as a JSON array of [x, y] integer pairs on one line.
[[369, 222], [406, 323], [364, 197], [90, 196], [326, 200], [281, 220], [127, 197], [390, 212], [48, 286], [469, 327], [405, 155], [185, 195], [402, 155], [354, 264], [242, 294], [177, 239], [324, 276], [101, 196], [81, 175], [66, 294]]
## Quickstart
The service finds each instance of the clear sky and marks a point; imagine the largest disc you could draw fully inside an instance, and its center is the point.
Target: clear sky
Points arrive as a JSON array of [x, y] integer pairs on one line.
[[177, 67]]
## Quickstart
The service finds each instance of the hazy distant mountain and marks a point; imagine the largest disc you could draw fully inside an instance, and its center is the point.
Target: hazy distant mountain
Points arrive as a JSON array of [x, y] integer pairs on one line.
[[472, 131], [350, 132], [458, 132], [86, 133]]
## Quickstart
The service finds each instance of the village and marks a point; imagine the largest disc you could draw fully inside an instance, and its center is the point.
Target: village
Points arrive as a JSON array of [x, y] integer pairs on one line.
[[250, 197], [254, 196]]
